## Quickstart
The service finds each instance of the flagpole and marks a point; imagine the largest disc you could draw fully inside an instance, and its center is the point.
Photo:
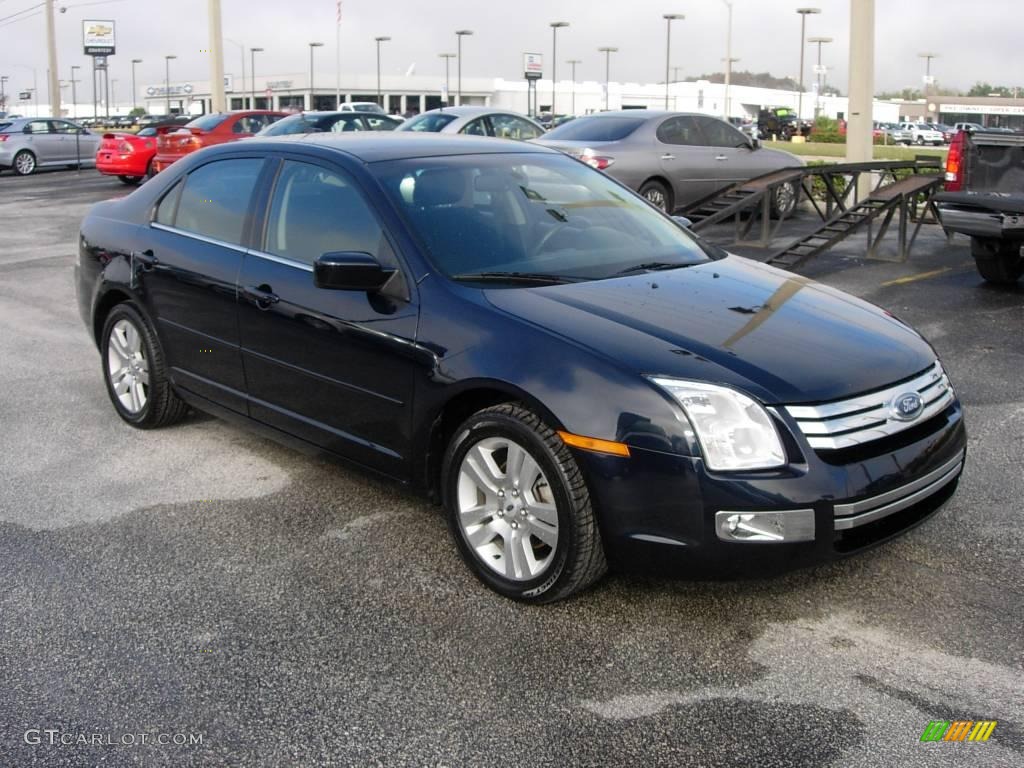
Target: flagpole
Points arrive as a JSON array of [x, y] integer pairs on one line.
[[337, 62]]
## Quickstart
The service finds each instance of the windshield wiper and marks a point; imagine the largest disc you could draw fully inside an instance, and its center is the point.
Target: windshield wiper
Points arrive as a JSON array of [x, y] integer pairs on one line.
[[650, 266], [513, 277]]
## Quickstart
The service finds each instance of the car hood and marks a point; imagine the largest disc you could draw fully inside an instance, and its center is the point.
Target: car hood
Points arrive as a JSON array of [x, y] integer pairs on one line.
[[779, 336]]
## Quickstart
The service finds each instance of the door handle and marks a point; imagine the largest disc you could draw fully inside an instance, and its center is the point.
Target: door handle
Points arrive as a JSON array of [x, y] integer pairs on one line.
[[263, 296], [146, 259], [668, 157], [721, 157]]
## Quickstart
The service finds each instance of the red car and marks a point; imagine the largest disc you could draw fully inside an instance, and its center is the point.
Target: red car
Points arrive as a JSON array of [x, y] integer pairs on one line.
[[208, 130], [129, 155]]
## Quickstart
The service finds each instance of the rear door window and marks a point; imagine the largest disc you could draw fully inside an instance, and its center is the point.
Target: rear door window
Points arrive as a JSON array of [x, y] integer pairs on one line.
[[682, 130], [216, 197], [513, 127], [477, 127], [38, 126]]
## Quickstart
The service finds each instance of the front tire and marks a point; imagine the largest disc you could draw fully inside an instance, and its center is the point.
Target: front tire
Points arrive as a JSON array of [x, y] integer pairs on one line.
[[519, 508], [24, 163], [135, 371], [657, 194], [999, 262]]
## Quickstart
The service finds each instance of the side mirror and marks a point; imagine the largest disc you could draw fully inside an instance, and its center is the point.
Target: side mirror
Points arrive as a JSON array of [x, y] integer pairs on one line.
[[349, 271], [755, 143], [682, 221]]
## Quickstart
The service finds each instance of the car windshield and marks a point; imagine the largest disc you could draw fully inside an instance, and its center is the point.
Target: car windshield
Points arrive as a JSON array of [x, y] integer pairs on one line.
[[596, 129], [207, 122], [428, 122], [531, 218]]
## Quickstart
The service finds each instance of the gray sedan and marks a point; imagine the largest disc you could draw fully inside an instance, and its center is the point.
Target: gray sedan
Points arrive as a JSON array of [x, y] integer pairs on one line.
[[475, 121], [672, 158], [30, 143]]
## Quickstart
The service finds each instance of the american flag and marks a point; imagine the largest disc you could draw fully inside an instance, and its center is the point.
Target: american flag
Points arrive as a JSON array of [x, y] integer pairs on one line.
[[339, 13]]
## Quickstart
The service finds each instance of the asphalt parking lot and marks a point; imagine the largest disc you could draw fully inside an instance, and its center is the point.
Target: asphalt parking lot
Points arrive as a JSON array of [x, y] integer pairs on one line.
[[291, 611]]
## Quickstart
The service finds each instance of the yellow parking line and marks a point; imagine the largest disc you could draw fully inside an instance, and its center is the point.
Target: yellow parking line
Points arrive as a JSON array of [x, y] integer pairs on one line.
[[915, 278]]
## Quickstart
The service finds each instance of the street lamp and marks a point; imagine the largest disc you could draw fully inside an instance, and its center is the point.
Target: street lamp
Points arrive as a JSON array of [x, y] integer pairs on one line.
[[804, 13], [818, 69], [447, 79], [74, 101], [134, 62], [555, 26], [669, 18], [728, 59], [167, 81], [459, 34], [380, 97], [572, 63], [252, 73], [312, 93], [607, 51]]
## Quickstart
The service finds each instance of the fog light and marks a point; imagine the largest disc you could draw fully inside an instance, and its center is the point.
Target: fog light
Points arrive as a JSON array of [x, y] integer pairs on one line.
[[766, 527]]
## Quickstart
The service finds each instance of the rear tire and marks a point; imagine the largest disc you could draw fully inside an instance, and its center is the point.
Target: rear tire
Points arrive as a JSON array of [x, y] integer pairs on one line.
[[135, 371], [518, 507], [24, 163], [998, 261], [657, 194], [785, 200]]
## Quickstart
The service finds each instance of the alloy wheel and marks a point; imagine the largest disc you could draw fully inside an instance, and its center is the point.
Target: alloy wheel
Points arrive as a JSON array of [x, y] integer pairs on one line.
[[25, 163], [506, 509], [656, 197], [127, 366]]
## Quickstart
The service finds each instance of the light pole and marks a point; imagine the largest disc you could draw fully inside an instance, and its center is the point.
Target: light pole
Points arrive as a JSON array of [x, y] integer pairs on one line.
[[241, 52], [447, 78], [134, 62], [728, 58], [459, 34], [572, 63], [113, 94], [252, 73], [3, 93], [167, 81], [817, 70], [804, 13], [312, 93], [380, 97], [927, 56], [669, 18], [74, 97], [555, 26], [607, 50]]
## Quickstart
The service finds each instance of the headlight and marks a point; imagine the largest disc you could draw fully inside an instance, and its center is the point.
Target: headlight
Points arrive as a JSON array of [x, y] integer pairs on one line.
[[734, 431]]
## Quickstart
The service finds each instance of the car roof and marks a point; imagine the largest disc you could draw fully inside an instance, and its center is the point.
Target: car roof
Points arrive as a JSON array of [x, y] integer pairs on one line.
[[379, 146], [647, 114], [471, 111]]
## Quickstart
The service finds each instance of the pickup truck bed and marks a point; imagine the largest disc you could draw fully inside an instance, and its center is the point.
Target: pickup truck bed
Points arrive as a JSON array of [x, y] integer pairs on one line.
[[986, 202]]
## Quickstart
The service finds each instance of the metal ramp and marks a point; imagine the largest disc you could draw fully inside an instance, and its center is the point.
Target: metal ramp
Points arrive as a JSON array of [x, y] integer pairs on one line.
[[903, 197], [739, 198]]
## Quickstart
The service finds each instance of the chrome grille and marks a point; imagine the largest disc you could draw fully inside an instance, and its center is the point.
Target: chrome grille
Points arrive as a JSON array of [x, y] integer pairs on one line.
[[861, 419]]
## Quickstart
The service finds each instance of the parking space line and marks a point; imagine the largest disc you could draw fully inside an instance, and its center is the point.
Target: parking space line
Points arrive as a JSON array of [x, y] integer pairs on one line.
[[919, 276]]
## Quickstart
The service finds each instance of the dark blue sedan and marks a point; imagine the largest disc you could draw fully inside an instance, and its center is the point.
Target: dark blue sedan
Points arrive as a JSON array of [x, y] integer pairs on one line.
[[574, 376]]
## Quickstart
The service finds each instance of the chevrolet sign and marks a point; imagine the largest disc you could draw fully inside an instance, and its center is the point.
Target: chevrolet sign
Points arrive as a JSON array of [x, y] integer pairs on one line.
[[98, 38]]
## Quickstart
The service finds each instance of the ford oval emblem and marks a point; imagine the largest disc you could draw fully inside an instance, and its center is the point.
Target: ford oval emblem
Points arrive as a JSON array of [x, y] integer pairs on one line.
[[907, 406]]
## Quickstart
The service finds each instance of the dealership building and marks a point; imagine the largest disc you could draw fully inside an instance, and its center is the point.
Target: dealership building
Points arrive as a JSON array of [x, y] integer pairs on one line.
[[990, 111]]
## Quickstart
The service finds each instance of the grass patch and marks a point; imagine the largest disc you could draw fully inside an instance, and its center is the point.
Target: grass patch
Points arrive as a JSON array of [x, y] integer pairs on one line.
[[838, 151]]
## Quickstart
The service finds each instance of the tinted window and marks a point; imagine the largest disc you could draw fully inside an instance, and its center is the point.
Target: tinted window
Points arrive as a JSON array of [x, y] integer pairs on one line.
[[512, 127], [147, 131], [290, 125], [165, 210], [38, 126], [680, 130], [4, 127], [215, 199], [207, 122], [718, 133], [542, 214], [477, 127], [315, 211], [596, 129], [60, 126], [252, 123], [345, 124], [431, 122], [381, 123]]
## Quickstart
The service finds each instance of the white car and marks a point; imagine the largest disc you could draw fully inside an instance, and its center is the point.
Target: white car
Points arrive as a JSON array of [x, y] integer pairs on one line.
[[921, 133], [361, 106]]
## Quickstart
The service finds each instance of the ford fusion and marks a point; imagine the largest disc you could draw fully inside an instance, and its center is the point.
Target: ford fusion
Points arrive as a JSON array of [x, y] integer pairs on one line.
[[577, 379]]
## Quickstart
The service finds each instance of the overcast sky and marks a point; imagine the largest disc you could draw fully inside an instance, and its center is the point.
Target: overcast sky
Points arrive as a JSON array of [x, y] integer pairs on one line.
[[977, 40]]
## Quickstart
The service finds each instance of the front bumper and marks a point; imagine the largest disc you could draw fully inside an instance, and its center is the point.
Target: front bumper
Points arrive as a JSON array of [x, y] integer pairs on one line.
[[664, 511]]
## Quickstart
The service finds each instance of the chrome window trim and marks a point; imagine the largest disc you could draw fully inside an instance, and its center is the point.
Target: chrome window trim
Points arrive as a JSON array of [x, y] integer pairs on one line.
[[846, 523], [197, 236], [281, 260], [860, 419]]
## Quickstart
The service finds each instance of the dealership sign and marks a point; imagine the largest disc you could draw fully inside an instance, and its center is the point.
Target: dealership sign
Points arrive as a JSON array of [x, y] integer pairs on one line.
[[98, 38], [533, 66], [982, 109]]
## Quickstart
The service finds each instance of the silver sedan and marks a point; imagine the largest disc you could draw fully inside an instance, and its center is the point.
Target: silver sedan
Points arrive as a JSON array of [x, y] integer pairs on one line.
[[30, 143], [475, 121], [672, 158]]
